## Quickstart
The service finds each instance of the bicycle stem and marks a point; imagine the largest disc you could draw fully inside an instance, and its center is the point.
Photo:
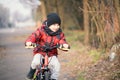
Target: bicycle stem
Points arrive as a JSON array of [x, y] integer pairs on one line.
[[46, 59]]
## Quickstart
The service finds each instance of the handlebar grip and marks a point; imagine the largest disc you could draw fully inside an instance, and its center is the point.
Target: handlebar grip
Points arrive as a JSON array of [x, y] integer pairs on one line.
[[65, 49], [33, 45]]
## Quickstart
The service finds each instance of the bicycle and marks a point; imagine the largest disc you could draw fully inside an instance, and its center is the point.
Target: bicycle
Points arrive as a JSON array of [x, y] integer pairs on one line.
[[42, 71]]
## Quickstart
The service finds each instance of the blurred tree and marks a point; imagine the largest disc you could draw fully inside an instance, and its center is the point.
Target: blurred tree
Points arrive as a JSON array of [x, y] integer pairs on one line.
[[86, 21], [32, 4], [4, 17], [66, 10], [104, 21]]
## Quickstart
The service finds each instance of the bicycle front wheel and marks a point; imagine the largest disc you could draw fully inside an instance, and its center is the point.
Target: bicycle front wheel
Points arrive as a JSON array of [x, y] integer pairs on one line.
[[47, 75]]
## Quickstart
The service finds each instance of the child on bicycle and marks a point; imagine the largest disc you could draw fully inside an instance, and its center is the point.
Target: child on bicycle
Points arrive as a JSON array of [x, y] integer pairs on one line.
[[49, 34]]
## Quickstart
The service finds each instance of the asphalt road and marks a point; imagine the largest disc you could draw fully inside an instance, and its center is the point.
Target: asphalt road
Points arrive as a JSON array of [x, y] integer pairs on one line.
[[14, 58]]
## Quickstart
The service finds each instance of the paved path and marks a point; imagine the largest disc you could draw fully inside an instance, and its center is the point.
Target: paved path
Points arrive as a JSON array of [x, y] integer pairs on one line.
[[14, 58]]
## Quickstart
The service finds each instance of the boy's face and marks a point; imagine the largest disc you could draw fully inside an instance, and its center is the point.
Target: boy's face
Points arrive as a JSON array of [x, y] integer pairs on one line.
[[54, 27]]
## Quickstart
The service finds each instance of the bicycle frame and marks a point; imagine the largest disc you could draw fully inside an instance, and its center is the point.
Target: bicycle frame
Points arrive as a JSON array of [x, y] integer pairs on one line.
[[46, 60], [43, 72]]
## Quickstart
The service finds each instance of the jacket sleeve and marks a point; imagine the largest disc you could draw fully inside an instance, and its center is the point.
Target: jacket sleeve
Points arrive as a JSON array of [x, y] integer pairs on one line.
[[34, 36], [62, 39]]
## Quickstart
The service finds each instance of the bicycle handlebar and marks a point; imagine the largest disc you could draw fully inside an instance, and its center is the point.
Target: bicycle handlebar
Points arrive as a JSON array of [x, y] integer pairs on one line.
[[47, 48]]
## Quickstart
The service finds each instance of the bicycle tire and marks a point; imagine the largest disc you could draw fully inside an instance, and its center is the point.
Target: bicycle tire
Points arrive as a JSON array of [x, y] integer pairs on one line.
[[40, 76], [46, 75]]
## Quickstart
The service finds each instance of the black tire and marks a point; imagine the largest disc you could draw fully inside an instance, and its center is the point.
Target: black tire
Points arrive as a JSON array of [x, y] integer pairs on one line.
[[40, 76], [47, 75]]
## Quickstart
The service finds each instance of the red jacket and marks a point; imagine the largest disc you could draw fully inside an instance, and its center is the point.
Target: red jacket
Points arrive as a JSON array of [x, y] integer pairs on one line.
[[41, 37]]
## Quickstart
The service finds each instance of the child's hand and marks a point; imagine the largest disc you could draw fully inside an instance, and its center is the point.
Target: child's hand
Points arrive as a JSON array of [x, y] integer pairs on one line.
[[28, 43], [64, 47]]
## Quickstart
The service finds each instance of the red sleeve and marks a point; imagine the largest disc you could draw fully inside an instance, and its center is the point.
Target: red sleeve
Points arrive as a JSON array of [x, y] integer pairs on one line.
[[34, 36], [62, 40]]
